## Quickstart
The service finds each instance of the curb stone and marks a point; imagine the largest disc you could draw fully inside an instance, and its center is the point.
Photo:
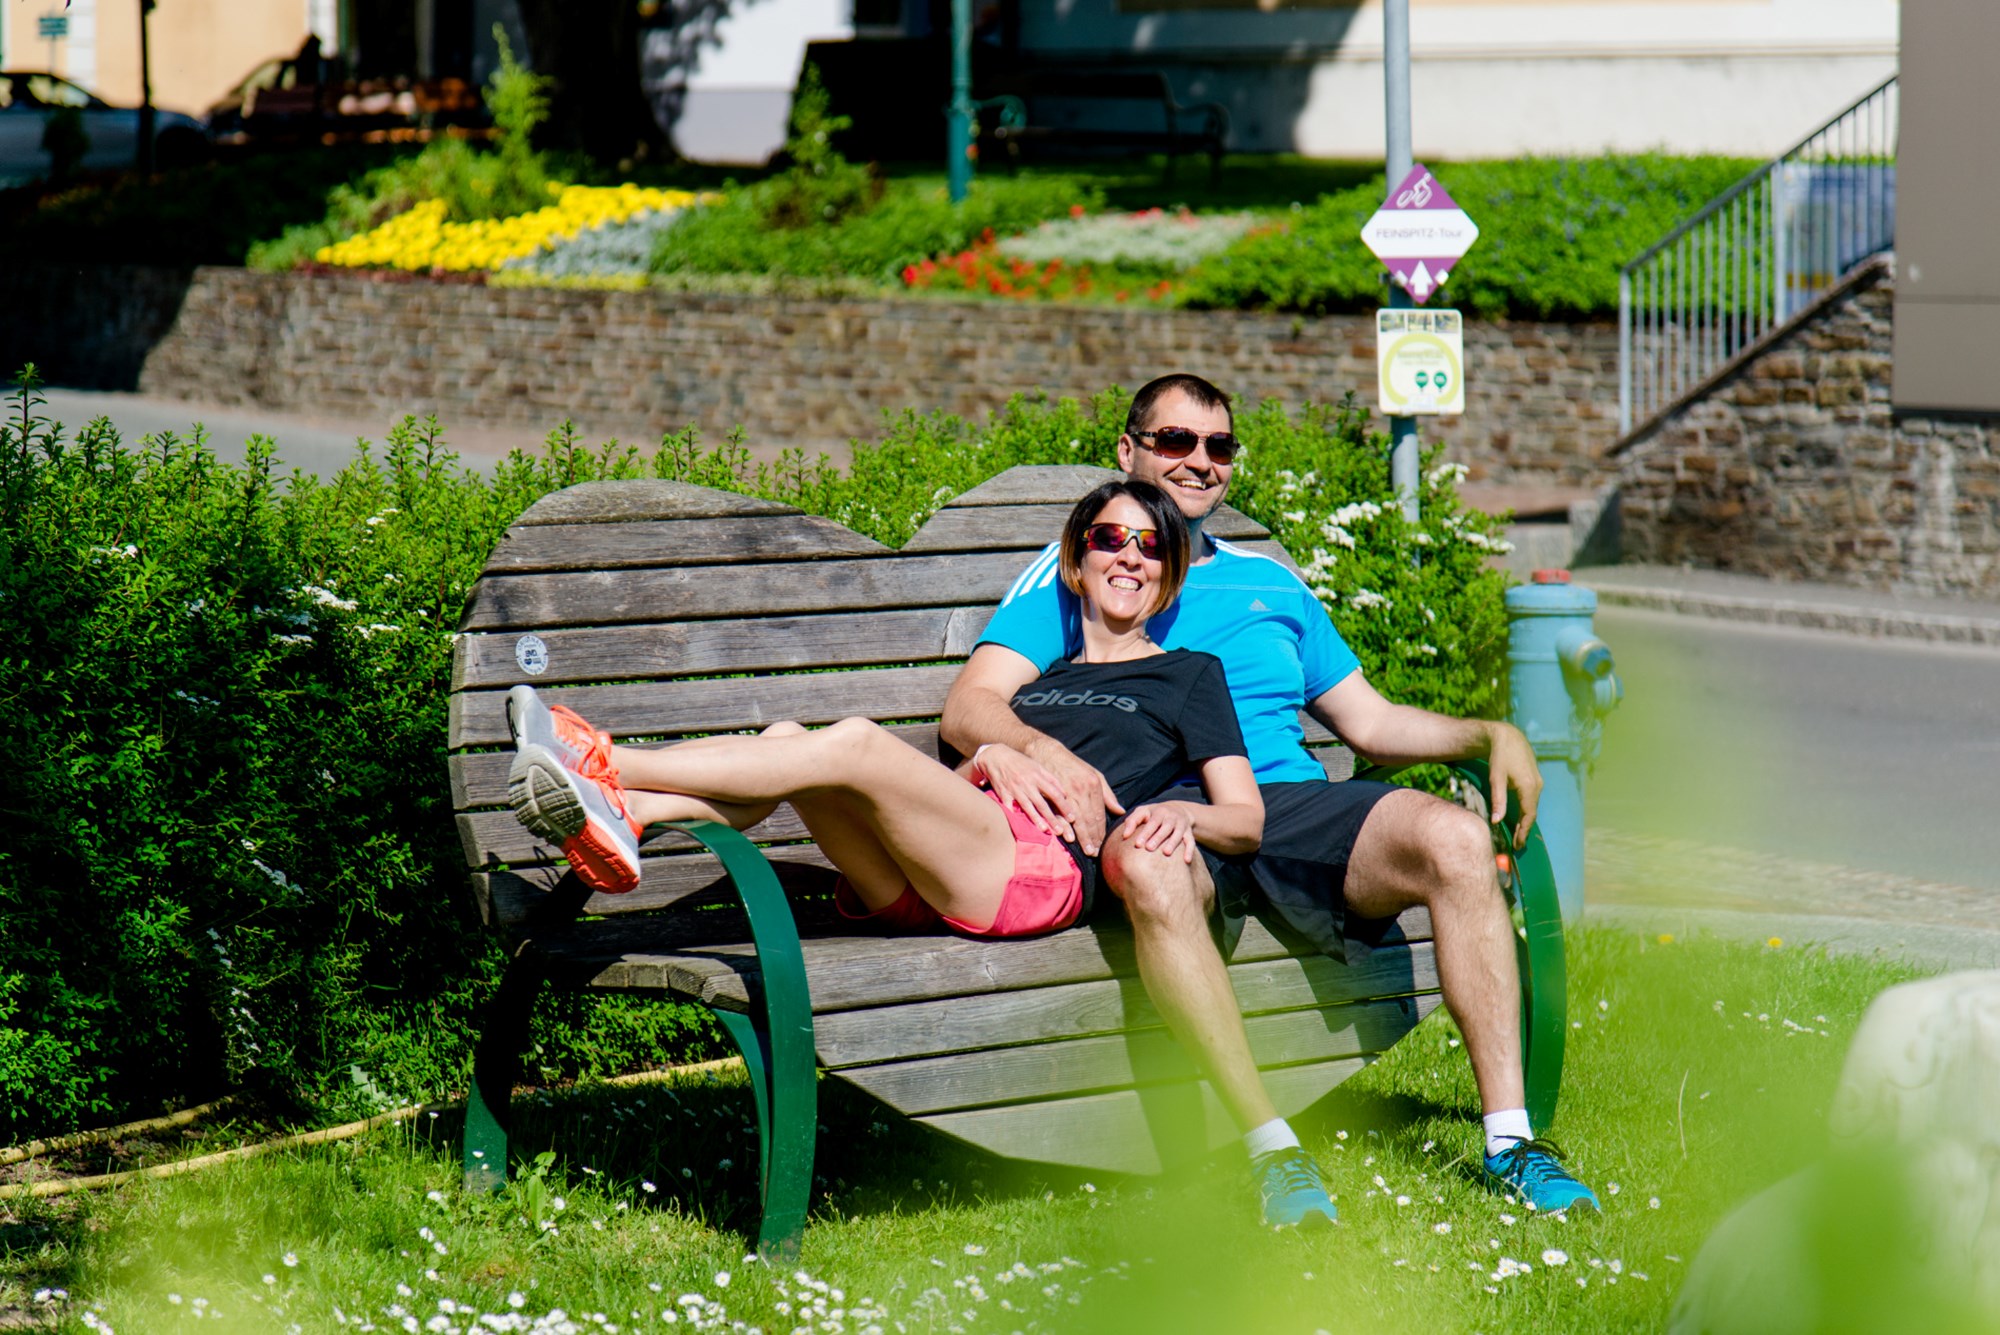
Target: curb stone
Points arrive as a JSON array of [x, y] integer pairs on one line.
[[1870, 622]]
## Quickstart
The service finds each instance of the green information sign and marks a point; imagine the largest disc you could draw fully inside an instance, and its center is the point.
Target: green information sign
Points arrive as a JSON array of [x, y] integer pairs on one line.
[[51, 27]]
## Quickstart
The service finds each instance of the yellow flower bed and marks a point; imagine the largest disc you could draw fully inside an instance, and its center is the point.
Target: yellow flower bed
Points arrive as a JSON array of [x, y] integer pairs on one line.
[[421, 239]]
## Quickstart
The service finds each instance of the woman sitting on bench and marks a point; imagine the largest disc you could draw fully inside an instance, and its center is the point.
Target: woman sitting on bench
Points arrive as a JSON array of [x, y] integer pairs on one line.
[[917, 844]]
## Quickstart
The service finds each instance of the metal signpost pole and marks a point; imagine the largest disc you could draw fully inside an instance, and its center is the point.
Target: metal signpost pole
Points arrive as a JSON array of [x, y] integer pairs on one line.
[[146, 116], [958, 138], [1396, 88]]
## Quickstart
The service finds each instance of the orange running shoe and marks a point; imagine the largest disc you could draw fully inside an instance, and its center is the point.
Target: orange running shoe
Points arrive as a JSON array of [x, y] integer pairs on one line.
[[564, 788]]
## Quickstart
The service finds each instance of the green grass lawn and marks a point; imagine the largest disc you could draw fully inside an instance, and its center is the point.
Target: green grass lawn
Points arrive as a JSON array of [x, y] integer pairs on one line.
[[1699, 1072]]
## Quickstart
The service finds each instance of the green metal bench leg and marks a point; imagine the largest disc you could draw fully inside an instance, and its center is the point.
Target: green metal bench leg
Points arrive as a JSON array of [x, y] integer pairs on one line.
[[776, 1038], [1540, 956], [496, 1065], [1544, 981]]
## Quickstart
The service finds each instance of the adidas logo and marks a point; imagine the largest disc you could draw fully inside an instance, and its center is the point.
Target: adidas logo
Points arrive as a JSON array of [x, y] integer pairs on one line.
[[1257, 605]]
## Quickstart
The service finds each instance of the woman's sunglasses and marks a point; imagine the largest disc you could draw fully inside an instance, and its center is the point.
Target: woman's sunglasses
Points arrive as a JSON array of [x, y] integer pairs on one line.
[[1113, 537], [1178, 442]]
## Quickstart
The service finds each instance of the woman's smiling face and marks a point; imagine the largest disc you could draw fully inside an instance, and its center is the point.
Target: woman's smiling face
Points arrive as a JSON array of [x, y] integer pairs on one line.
[[1122, 585]]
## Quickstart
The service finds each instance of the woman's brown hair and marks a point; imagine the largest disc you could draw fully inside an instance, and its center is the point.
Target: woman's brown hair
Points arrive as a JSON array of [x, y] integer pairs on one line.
[[1162, 514]]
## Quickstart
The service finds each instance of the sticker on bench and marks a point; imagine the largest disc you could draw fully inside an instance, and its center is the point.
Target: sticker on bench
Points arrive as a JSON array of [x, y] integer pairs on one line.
[[532, 655]]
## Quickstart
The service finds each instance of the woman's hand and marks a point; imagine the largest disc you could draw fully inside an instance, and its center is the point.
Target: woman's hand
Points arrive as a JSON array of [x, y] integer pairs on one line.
[[1163, 827], [1021, 782]]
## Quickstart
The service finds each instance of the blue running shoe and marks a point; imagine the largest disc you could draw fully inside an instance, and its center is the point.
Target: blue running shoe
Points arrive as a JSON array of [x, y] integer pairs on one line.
[[1293, 1192], [1531, 1171]]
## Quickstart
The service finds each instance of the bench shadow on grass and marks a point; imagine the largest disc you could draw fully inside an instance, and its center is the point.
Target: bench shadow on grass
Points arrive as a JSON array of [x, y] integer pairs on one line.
[[694, 1140]]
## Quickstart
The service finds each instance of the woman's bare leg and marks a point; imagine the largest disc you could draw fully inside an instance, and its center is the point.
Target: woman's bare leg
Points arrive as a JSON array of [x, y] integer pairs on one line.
[[652, 808], [864, 794]]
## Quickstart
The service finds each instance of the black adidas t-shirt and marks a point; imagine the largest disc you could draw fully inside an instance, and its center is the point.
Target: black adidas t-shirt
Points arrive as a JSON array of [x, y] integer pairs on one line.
[[1143, 723]]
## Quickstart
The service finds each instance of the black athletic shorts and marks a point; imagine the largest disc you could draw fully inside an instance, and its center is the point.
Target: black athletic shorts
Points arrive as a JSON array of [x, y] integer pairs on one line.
[[1300, 870]]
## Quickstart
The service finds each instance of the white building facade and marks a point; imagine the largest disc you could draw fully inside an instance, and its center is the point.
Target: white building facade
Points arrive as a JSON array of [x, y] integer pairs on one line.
[[1489, 78]]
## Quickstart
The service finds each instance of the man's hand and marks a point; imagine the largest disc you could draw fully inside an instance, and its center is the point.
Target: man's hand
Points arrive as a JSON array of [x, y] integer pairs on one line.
[[1084, 795], [1163, 827], [1510, 763]]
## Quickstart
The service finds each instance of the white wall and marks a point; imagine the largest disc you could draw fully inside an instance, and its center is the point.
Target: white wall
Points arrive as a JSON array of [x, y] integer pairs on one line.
[[739, 94], [1494, 80]]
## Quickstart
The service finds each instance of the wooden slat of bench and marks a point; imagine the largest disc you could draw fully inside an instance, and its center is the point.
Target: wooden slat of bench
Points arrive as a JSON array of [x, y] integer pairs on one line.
[[1029, 528], [507, 899], [493, 838], [858, 972], [674, 542], [720, 704], [642, 499], [702, 648], [479, 778], [964, 1024], [1117, 1132], [1037, 484], [1066, 1069], [518, 603]]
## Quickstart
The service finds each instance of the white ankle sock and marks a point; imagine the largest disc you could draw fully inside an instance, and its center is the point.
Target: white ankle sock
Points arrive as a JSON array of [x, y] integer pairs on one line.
[[1505, 1127], [1275, 1134]]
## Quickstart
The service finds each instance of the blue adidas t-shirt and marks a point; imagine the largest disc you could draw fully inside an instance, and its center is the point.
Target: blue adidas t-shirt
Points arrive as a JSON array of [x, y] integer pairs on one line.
[[1276, 645]]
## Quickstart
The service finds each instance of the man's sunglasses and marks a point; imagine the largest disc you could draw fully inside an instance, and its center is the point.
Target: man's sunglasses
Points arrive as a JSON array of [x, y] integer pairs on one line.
[[1178, 442], [1113, 537]]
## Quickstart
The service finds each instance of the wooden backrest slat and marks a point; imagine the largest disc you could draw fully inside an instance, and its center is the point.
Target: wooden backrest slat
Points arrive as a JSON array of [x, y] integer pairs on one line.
[[721, 704], [643, 499], [654, 652], [479, 778], [607, 598], [619, 544]]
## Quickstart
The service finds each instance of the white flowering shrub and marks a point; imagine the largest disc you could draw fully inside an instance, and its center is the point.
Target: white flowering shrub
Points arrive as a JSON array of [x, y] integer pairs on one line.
[[1151, 239], [609, 250], [1416, 602]]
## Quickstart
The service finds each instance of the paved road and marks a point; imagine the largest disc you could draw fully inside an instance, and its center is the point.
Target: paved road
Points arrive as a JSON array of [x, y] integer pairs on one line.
[[1876, 755], [311, 444]]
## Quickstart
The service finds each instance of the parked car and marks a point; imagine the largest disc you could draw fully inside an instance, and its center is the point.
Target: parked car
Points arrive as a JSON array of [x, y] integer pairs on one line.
[[110, 140], [307, 98]]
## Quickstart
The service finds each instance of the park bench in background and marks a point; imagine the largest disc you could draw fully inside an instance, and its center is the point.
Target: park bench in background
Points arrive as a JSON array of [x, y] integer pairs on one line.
[[1128, 109], [658, 610]]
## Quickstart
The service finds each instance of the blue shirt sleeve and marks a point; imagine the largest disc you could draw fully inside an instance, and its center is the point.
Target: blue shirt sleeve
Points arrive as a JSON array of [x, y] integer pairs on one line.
[[1324, 657], [1037, 617]]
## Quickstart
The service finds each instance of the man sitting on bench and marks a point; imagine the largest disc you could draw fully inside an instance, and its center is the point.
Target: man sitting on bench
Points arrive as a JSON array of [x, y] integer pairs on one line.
[[1331, 851]]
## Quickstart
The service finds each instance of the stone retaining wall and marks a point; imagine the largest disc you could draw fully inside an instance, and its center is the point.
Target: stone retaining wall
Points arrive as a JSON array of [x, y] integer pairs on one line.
[[1798, 467], [790, 371]]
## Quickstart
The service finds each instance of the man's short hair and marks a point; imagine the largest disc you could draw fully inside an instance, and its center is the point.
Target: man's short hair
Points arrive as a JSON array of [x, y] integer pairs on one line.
[[1204, 395]]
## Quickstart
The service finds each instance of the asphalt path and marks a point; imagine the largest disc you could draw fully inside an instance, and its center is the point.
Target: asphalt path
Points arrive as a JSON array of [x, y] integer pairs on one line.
[[309, 444], [319, 445], [1871, 754]]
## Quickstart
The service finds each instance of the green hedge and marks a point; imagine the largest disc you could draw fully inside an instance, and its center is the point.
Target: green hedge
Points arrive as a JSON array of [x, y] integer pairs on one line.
[[232, 857], [1553, 233]]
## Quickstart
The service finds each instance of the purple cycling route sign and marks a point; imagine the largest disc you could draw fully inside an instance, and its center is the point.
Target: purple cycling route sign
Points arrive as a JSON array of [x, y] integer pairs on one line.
[[1419, 233]]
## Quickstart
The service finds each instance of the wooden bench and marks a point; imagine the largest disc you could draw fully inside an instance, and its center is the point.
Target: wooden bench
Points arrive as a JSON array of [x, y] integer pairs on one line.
[[661, 610], [1044, 106]]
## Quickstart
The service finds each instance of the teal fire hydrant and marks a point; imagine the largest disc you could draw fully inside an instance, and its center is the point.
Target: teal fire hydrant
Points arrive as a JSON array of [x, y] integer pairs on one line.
[[1560, 685]]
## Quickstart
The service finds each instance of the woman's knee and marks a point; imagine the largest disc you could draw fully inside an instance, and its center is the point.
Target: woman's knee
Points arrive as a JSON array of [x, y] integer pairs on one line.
[[854, 741], [785, 729], [1153, 884]]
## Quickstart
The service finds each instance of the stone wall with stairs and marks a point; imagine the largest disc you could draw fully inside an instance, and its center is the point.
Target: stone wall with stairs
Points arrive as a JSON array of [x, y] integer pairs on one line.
[[1793, 464]]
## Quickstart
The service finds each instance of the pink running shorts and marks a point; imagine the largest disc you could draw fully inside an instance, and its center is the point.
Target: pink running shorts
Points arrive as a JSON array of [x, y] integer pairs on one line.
[[1045, 893]]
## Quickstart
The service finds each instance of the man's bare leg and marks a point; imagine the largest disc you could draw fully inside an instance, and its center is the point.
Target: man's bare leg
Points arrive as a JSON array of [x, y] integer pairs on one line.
[[1418, 849], [1167, 901]]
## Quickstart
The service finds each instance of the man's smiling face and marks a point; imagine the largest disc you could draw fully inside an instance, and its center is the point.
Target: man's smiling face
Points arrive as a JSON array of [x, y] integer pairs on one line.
[[1197, 483]]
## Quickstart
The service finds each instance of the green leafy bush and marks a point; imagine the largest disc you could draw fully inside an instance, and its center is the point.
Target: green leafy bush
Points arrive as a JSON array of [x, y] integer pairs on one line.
[[1553, 234], [474, 183], [233, 857], [826, 217]]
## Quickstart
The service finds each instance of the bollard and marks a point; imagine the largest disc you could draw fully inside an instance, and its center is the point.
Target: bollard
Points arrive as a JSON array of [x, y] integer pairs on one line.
[[1560, 685]]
